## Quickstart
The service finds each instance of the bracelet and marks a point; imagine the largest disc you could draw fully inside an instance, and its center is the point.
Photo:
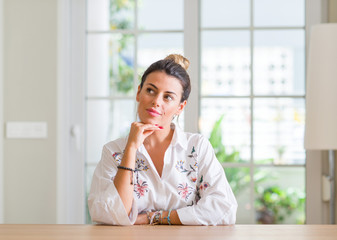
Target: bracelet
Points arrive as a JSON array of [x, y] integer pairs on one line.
[[168, 217], [156, 217], [129, 169]]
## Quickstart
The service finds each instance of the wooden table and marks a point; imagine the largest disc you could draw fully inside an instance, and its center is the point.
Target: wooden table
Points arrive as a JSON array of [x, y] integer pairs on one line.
[[237, 232]]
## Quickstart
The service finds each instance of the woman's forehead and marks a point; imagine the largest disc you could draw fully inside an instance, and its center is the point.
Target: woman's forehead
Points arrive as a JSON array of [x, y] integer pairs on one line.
[[163, 80]]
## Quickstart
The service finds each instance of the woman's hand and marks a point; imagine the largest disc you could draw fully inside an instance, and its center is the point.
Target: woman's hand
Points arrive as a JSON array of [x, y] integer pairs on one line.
[[142, 219], [138, 132]]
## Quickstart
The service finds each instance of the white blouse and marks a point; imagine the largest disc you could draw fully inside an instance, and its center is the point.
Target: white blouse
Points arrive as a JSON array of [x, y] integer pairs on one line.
[[193, 182]]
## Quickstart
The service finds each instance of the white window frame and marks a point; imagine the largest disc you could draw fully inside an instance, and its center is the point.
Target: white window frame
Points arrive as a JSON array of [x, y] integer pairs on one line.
[[71, 95], [71, 117], [251, 165]]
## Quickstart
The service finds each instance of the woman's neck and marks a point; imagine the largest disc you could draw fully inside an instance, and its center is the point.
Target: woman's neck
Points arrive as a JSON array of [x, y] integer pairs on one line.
[[159, 137]]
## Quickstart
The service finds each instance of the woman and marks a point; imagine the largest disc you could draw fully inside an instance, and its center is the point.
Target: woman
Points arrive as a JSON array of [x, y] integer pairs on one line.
[[159, 174]]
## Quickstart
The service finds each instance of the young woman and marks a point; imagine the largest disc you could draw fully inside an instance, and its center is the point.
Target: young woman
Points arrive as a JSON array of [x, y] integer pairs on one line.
[[160, 174]]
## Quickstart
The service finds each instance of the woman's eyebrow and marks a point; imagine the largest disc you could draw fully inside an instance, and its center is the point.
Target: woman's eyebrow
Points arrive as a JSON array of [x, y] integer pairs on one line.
[[154, 86]]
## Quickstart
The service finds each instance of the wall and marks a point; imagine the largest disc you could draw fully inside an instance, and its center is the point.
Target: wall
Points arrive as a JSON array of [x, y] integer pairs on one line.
[[1, 114], [30, 63], [332, 13]]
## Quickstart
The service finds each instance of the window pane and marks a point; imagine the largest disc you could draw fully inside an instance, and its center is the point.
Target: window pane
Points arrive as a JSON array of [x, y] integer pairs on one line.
[[225, 63], [279, 12], [106, 121], [153, 47], [280, 195], [110, 14], [110, 64], [160, 14], [279, 62], [239, 180], [226, 122], [225, 13], [279, 131]]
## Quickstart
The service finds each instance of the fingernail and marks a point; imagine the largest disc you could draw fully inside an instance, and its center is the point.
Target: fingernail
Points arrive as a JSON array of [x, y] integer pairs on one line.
[[156, 124], [160, 127]]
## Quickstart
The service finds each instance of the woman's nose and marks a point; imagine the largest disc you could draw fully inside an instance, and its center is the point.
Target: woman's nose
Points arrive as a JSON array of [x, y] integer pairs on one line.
[[156, 102]]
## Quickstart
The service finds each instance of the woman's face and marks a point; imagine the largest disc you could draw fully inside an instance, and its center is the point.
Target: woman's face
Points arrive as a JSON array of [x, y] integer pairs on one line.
[[159, 99]]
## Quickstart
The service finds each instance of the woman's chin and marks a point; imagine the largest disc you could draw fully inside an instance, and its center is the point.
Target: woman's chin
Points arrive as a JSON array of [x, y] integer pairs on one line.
[[149, 121]]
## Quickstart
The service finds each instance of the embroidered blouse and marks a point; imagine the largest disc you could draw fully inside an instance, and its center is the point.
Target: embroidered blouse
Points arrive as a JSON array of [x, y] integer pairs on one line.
[[193, 182]]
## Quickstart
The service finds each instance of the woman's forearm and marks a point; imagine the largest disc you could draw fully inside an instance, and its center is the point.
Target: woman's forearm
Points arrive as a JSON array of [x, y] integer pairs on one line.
[[143, 219], [174, 218], [124, 178]]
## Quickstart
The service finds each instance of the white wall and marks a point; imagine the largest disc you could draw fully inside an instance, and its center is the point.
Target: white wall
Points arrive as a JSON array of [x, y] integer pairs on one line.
[[1, 114], [30, 94]]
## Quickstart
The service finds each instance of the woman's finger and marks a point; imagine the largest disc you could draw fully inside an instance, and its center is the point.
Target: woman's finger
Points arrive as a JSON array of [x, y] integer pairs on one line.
[[149, 126]]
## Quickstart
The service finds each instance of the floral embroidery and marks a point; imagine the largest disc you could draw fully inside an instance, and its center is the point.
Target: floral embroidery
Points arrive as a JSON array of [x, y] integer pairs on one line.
[[141, 188], [193, 179], [194, 155], [202, 187], [117, 156], [140, 165], [184, 191], [181, 168], [192, 168]]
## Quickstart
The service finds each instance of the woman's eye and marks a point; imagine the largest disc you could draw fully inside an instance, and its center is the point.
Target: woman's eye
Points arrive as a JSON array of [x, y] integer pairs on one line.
[[169, 98], [149, 90]]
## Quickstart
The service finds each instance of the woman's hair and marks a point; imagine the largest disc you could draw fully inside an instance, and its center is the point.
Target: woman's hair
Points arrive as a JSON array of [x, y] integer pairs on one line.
[[174, 65]]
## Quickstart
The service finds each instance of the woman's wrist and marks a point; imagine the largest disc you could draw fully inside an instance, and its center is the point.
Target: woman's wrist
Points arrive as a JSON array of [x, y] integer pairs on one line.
[[159, 217], [128, 159], [130, 148]]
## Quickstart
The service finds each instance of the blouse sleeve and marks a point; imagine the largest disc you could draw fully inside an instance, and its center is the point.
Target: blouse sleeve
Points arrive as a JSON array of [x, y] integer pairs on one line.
[[217, 204], [105, 204]]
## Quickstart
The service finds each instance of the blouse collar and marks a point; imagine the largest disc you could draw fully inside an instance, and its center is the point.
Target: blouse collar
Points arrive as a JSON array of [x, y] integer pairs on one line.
[[179, 137]]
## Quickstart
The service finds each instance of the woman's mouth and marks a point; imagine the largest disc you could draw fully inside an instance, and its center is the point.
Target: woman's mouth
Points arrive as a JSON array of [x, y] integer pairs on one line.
[[153, 112]]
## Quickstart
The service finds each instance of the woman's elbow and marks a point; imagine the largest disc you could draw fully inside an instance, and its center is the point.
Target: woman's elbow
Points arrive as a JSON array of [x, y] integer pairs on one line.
[[231, 217]]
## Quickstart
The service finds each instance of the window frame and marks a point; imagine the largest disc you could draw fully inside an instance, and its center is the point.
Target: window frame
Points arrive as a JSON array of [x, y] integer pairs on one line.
[[71, 120], [251, 165]]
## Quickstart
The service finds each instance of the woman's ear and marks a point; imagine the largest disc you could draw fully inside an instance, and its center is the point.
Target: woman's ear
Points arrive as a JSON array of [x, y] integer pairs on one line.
[[138, 92], [181, 107]]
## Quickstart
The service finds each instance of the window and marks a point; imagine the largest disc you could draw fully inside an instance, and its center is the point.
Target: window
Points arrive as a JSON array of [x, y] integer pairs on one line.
[[122, 41], [251, 88], [252, 102]]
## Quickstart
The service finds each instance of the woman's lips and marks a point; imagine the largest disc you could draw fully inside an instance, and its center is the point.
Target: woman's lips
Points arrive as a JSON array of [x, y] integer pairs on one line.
[[153, 112]]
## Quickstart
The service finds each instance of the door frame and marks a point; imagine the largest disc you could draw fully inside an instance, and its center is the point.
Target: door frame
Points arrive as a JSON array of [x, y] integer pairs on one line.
[[70, 122]]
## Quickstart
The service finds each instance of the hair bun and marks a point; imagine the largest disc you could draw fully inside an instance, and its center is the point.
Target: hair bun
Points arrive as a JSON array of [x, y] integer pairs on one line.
[[181, 60]]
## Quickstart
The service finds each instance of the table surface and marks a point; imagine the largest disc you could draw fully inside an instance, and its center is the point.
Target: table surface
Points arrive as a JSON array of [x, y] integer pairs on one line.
[[237, 232]]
